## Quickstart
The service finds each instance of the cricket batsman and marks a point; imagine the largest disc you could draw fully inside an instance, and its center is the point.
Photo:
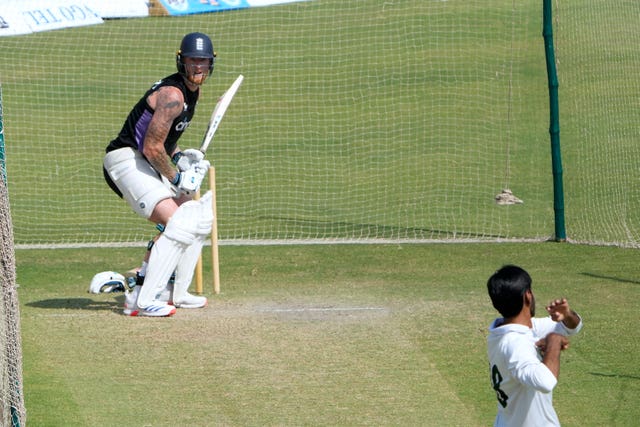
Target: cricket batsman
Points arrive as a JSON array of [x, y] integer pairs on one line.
[[145, 166]]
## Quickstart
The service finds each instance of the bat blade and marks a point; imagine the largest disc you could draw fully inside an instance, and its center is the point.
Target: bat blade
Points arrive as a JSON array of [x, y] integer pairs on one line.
[[219, 111]]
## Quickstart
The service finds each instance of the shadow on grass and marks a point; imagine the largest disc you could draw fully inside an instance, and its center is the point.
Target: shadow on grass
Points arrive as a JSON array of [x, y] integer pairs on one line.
[[600, 374], [77, 304], [613, 279]]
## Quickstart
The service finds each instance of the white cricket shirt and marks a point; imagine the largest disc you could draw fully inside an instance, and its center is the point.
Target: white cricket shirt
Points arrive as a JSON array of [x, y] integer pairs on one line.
[[523, 384]]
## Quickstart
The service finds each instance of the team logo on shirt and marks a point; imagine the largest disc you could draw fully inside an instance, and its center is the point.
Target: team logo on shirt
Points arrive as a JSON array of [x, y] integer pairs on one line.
[[181, 126]]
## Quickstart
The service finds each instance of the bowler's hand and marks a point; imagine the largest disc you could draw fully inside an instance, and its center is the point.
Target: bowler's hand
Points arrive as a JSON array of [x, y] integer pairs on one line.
[[559, 309], [552, 340]]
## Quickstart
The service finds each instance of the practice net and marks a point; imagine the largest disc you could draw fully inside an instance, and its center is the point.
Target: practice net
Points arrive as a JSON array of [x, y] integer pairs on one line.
[[357, 121], [598, 61], [12, 409]]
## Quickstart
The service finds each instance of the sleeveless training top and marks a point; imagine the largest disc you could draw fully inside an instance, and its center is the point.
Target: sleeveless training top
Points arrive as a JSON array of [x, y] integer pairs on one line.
[[135, 127]]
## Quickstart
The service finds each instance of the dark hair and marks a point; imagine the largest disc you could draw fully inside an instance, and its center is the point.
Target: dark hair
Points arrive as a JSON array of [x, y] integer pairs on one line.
[[506, 289]]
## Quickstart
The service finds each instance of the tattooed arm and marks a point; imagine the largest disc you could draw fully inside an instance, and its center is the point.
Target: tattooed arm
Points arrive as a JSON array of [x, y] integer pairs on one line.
[[167, 103]]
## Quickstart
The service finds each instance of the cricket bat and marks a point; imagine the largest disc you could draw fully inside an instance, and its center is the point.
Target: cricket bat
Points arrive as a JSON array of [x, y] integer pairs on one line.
[[218, 113]]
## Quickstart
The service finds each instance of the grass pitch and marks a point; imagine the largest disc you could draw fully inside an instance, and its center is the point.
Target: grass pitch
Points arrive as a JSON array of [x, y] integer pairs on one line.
[[378, 335]]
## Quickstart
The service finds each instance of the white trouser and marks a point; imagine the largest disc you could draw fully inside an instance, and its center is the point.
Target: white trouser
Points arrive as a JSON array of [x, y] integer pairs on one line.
[[140, 184]]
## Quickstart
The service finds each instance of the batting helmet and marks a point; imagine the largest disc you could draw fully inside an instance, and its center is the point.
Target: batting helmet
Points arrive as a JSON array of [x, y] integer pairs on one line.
[[107, 281], [195, 45]]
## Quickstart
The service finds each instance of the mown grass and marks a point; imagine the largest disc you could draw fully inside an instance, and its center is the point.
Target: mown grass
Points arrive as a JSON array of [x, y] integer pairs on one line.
[[335, 334], [358, 119], [320, 335]]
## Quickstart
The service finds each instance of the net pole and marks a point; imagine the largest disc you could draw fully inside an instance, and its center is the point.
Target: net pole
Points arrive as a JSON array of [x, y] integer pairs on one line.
[[215, 261], [554, 123]]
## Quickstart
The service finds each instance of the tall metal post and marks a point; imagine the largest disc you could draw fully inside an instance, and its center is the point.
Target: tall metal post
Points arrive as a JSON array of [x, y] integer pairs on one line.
[[554, 123]]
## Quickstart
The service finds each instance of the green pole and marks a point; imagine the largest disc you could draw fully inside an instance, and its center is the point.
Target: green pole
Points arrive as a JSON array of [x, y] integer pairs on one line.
[[554, 123]]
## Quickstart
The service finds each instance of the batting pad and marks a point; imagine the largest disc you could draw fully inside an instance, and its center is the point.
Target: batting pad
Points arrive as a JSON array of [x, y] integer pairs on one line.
[[185, 270], [183, 230], [188, 260]]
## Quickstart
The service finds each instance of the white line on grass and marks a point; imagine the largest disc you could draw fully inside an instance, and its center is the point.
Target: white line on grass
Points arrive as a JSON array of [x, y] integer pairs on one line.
[[321, 309]]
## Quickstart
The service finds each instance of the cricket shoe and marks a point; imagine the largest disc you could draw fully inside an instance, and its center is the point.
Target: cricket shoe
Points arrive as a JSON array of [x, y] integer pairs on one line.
[[156, 309], [187, 301], [191, 301]]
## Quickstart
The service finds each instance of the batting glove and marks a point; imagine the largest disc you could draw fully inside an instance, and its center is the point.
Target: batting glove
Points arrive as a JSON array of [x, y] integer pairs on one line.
[[203, 166], [189, 181], [189, 157]]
